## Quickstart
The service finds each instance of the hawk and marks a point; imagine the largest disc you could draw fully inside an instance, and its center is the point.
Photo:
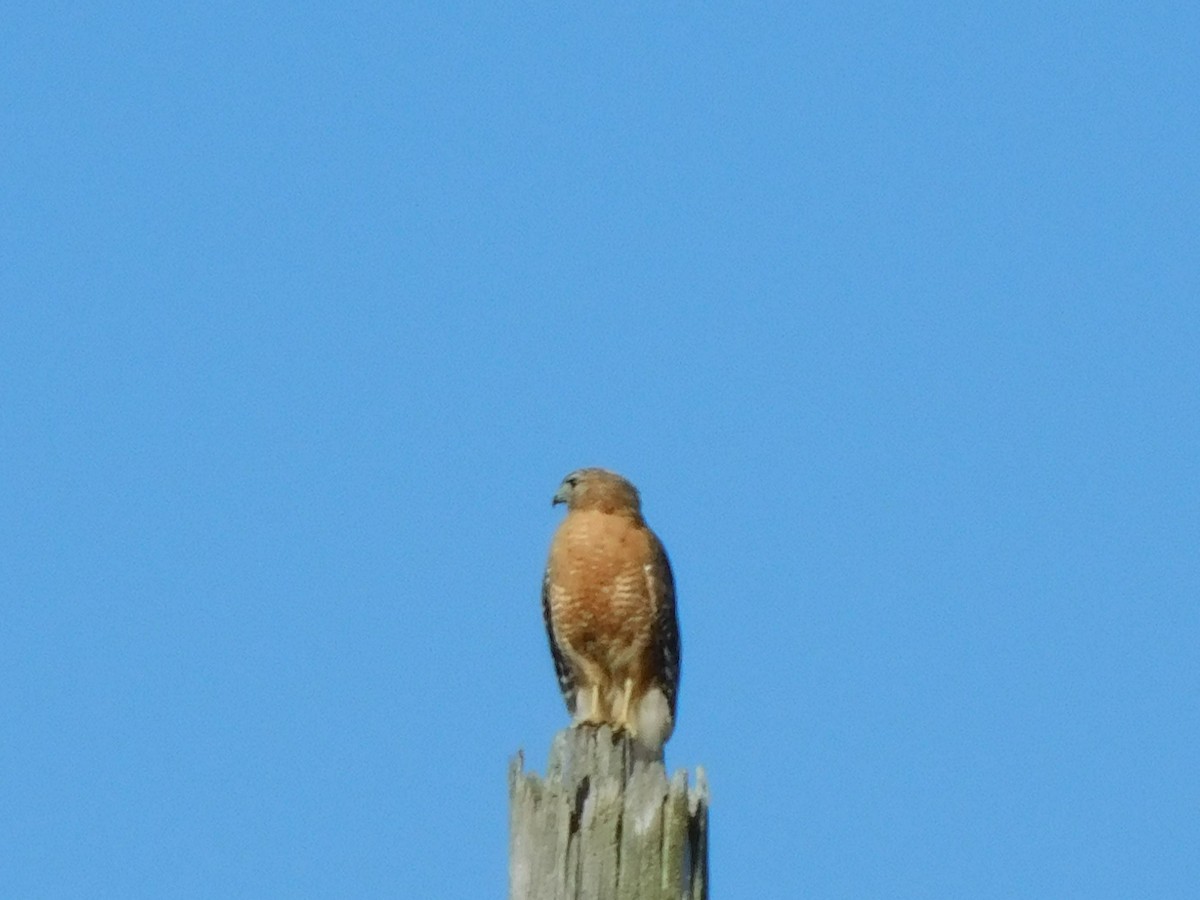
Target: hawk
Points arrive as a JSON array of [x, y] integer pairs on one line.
[[608, 598]]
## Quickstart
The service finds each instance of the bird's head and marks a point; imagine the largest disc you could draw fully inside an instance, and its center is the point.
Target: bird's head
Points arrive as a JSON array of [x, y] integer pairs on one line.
[[598, 489]]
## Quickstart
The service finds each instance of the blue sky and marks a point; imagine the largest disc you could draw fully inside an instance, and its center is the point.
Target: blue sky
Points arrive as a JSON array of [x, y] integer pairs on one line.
[[891, 311]]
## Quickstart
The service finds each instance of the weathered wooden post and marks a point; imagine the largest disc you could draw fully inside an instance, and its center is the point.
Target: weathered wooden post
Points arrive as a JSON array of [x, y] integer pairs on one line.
[[604, 826]]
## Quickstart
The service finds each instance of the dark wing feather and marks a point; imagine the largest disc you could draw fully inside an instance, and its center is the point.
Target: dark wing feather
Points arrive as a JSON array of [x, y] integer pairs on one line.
[[566, 681], [666, 630]]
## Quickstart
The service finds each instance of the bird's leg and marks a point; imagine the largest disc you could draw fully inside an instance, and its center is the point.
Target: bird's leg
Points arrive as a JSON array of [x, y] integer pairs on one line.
[[623, 718], [590, 713], [596, 716]]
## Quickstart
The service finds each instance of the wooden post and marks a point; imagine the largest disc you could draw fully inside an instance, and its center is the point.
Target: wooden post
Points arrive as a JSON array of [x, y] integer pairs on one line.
[[604, 827]]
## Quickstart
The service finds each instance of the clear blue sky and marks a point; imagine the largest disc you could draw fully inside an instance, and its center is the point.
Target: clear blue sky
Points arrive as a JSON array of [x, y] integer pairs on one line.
[[891, 311]]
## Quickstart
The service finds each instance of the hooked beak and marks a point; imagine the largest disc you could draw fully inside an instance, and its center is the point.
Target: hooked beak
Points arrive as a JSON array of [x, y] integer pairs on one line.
[[560, 496]]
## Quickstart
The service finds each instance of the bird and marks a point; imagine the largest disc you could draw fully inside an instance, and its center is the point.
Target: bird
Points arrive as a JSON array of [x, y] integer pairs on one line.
[[608, 601]]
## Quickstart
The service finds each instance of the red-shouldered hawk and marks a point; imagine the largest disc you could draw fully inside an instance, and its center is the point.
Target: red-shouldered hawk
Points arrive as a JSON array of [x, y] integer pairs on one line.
[[608, 598]]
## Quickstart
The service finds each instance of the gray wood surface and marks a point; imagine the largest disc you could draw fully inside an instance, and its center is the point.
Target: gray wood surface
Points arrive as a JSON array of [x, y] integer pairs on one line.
[[603, 825]]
